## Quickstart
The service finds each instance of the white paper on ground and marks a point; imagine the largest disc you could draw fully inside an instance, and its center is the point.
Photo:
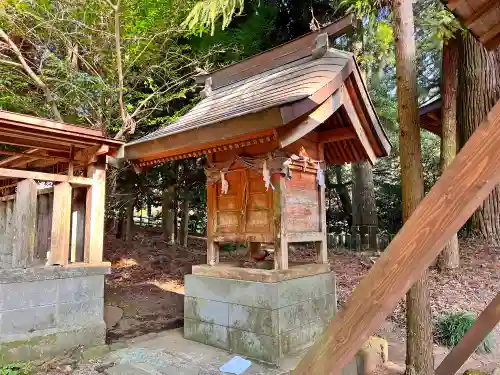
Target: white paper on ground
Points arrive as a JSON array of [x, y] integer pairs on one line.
[[236, 365]]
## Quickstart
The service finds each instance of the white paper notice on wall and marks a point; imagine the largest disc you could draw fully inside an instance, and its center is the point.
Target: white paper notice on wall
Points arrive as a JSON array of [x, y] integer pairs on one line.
[[320, 175], [225, 184]]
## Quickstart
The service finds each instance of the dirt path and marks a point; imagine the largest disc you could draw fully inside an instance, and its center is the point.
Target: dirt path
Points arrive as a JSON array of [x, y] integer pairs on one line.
[[147, 283]]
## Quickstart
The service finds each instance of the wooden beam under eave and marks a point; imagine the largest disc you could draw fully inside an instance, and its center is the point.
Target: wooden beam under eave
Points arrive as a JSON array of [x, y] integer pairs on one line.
[[214, 134], [315, 119], [358, 127], [7, 161], [462, 187], [335, 135], [20, 173], [479, 13], [38, 156], [484, 324]]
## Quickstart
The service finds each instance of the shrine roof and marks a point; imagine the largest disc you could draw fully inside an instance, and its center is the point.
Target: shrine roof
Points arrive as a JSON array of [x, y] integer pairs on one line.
[[300, 88], [43, 145], [285, 84]]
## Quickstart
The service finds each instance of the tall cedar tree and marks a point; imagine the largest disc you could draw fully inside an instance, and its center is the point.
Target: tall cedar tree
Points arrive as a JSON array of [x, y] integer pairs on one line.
[[364, 208], [419, 357], [450, 257], [478, 91]]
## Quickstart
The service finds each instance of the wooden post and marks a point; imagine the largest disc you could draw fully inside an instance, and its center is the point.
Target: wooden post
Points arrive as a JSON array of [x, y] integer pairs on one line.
[[212, 252], [465, 183], [485, 323], [322, 246], [94, 212], [24, 225], [9, 231], [5, 261], [212, 247], [61, 225], [43, 227], [78, 225], [280, 242]]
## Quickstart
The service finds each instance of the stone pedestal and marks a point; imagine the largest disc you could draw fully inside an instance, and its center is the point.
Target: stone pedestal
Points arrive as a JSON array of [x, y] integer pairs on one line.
[[45, 311], [261, 320]]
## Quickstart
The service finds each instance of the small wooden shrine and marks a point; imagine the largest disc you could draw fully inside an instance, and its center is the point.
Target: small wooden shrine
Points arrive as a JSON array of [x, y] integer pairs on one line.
[[268, 126], [52, 206]]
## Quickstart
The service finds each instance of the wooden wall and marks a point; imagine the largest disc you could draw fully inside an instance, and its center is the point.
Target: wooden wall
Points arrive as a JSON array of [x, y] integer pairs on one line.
[[43, 227], [244, 213]]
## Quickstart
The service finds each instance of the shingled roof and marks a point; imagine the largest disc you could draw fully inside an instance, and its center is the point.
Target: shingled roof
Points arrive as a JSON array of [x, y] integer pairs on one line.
[[285, 84], [252, 100]]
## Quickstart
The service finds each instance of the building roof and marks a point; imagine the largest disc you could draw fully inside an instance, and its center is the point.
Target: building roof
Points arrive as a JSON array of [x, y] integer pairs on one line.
[[430, 115], [38, 144], [285, 84], [265, 98], [481, 17]]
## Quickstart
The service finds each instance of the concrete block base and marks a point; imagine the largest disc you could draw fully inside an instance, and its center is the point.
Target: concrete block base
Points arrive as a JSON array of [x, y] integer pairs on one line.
[[45, 311], [261, 320]]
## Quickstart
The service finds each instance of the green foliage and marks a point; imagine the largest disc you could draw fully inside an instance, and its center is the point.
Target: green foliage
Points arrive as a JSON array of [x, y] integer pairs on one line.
[[363, 8], [16, 369], [452, 326], [206, 13], [251, 34]]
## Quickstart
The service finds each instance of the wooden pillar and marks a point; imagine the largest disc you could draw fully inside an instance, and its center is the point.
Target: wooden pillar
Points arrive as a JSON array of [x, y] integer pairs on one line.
[[5, 261], [78, 225], [280, 232], [212, 247], [212, 253], [485, 323], [9, 231], [322, 246], [24, 224], [94, 212], [43, 227], [61, 225]]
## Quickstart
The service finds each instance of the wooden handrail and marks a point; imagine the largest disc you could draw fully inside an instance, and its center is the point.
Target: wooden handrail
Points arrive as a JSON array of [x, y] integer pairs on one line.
[[452, 200]]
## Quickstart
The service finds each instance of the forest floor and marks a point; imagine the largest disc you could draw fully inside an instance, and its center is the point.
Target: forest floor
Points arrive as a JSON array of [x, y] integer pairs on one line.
[[147, 283]]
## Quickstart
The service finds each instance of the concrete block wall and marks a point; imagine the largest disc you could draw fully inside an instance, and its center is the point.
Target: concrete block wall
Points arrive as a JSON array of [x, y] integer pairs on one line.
[[265, 321], [46, 311]]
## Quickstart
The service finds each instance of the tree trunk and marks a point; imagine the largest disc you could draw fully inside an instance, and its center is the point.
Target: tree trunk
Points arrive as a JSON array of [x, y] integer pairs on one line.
[[129, 229], [419, 356], [343, 192], [167, 209], [184, 223], [119, 225], [478, 91], [450, 256], [364, 209]]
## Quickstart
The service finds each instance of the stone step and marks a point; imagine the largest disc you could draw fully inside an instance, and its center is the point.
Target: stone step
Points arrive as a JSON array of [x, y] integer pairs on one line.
[[130, 369], [125, 369]]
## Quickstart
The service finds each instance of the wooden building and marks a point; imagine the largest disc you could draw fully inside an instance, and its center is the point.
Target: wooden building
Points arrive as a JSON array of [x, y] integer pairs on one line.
[[269, 125], [52, 194]]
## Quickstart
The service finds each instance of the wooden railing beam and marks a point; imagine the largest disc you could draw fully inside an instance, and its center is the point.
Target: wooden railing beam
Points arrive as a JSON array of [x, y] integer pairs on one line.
[[452, 200], [485, 323]]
